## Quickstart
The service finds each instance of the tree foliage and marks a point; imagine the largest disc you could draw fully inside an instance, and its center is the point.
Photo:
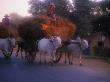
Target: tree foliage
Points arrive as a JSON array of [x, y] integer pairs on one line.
[[102, 24], [82, 7], [81, 13], [105, 6], [38, 7]]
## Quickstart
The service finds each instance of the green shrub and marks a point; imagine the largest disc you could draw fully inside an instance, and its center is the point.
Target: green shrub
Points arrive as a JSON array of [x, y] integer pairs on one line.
[[96, 50], [106, 52], [101, 51]]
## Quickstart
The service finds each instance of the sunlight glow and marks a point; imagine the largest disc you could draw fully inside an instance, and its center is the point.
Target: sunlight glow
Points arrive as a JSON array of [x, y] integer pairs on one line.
[[71, 5], [71, 1], [13, 6], [42, 0], [96, 0]]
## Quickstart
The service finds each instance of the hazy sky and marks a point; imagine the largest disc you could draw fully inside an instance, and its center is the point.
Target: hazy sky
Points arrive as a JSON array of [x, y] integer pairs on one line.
[[13, 6]]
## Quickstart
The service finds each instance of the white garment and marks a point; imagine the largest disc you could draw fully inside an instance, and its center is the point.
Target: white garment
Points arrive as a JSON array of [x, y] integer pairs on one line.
[[85, 44]]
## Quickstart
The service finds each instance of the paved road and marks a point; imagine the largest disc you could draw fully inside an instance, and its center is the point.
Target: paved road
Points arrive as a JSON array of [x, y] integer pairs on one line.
[[17, 70]]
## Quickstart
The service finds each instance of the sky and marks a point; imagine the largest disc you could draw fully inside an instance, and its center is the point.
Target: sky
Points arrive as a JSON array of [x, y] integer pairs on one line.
[[13, 6]]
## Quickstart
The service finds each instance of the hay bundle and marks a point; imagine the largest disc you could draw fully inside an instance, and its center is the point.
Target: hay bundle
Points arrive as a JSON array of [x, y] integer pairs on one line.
[[43, 26], [30, 31], [59, 27], [3, 32]]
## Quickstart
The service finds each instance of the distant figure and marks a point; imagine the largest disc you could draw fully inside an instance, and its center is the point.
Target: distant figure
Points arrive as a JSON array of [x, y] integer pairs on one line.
[[85, 46], [78, 39], [51, 10], [5, 20]]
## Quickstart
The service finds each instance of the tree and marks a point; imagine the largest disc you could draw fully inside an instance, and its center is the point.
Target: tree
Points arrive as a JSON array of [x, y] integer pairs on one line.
[[105, 6], [38, 7], [61, 7], [82, 7], [101, 20], [82, 12], [102, 24]]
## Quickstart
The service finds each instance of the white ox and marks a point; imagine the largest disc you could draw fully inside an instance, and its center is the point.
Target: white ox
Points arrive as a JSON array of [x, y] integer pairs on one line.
[[6, 45], [76, 47], [49, 46]]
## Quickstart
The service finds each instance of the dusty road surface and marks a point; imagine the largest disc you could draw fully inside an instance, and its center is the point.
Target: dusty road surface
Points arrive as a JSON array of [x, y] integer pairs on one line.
[[17, 70]]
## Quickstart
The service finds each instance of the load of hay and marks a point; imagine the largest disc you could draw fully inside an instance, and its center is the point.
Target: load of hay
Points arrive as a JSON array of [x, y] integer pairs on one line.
[[56, 27], [3, 32], [45, 26], [30, 31]]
